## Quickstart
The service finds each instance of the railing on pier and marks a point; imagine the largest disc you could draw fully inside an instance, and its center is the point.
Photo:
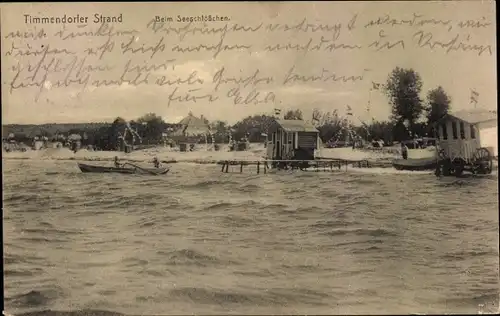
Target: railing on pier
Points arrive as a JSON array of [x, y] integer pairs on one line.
[[317, 165]]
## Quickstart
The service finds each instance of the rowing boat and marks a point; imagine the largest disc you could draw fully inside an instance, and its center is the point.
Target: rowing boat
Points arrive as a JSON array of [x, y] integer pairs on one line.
[[133, 169]]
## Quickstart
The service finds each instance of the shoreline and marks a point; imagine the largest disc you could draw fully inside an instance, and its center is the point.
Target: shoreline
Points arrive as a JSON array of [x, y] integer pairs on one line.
[[379, 158]]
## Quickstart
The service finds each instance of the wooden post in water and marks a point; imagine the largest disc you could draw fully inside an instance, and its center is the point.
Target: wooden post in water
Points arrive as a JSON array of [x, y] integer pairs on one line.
[[241, 167], [346, 165], [227, 166], [223, 166], [265, 167], [331, 165], [258, 167]]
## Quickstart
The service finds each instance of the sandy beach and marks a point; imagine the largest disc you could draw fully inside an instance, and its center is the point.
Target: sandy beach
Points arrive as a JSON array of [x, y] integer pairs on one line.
[[379, 160], [201, 155]]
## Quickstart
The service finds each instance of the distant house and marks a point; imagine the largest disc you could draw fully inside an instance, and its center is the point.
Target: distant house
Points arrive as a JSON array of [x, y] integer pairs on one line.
[[461, 133], [193, 126], [292, 139]]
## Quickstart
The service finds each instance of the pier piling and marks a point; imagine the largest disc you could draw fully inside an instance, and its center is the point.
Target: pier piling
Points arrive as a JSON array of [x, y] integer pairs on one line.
[[316, 165]]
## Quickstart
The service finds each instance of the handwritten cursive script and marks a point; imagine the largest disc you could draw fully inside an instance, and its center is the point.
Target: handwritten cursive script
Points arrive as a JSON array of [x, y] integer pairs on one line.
[[228, 60]]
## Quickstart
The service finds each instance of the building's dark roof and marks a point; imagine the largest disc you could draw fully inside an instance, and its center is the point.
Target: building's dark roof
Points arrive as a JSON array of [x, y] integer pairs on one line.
[[192, 125], [296, 126], [192, 120], [474, 116]]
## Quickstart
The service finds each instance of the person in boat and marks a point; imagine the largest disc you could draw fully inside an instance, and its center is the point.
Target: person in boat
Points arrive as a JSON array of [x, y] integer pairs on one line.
[[117, 163], [156, 162]]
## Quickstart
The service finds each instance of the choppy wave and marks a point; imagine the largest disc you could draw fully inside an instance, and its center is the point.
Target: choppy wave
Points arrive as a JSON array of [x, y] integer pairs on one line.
[[361, 232], [34, 298], [190, 257], [281, 297]]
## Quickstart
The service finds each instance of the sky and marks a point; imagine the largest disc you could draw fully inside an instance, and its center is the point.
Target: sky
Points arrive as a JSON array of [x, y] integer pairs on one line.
[[457, 72]]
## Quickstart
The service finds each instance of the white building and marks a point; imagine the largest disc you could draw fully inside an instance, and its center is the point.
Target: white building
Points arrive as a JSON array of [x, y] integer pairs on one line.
[[461, 133]]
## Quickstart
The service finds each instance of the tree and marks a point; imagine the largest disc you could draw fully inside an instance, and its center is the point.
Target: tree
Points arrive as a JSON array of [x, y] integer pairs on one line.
[[220, 131], [151, 127], [293, 115], [116, 129], [253, 127], [438, 105], [403, 89], [148, 117], [75, 131], [376, 130], [103, 140], [329, 124], [45, 133]]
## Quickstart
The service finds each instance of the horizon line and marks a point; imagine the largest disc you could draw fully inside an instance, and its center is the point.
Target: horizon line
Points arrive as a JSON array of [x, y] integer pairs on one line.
[[387, 119]]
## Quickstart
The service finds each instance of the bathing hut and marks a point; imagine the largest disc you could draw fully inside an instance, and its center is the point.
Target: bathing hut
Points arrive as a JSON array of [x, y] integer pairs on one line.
[[467, 140], [292, 140]]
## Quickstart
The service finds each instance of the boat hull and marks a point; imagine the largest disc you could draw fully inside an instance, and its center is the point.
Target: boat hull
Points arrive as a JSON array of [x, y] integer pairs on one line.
[[124, 170], [415, 164]]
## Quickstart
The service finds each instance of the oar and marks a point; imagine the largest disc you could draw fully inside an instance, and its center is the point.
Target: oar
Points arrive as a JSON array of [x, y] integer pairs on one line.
[[146, 170]]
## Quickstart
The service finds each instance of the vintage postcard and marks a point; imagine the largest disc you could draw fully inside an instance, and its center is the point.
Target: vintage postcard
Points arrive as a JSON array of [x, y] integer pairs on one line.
[[250, 158]]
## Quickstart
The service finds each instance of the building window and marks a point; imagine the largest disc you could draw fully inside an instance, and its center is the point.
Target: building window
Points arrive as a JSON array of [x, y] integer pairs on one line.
[[472, 132], [445, 132], [454, 130], [462, 130]]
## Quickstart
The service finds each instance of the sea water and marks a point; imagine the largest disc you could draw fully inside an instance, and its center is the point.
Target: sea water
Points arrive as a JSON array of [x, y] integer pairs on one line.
[[361, 241]]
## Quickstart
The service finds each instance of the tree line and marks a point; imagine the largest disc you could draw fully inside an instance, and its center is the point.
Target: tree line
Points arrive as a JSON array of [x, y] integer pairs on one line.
[[411, 116]]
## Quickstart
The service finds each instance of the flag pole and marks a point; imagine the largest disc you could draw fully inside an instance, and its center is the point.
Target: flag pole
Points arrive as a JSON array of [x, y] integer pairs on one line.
[[369, 101], [473, 97]]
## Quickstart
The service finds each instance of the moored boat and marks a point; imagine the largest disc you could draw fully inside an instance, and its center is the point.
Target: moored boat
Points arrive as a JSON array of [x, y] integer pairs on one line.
[[131, 169], [415, 164]]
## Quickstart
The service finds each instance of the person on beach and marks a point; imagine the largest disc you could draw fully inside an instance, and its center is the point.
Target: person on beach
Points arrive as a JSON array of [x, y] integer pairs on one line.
[[156, 162], [117, 163], [404, 151]]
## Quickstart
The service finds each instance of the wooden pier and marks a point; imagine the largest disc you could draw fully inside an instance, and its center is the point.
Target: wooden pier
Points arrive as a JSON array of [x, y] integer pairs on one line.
[[304, 165]]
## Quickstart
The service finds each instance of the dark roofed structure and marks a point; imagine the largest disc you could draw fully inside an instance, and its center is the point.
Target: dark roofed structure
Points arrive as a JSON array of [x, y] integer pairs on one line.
[[296, 126], [292, 139], [192, 125]]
